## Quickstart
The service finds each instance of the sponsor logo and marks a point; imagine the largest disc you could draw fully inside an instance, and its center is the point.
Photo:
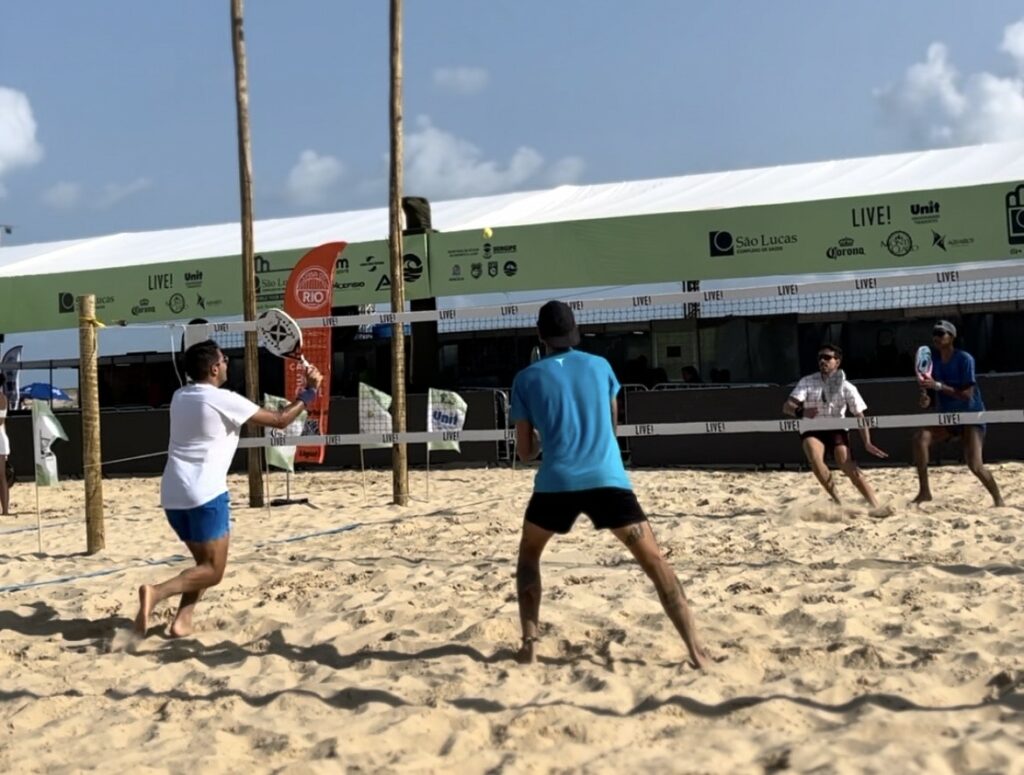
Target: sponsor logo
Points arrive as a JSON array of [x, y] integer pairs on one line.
[[845, 247], [492, 268], [161, 282], [65, 302], [924, 213], [193, 279], [370, 263], [1015, 217], [456, 272], [313, 288], [873, 215], [176, 303], [476, 270], [899, 244], [723, 243], [341, 265], [383, 283], [950, 276], [938, 241], [349, 286], [510, 268], [412, 267], [144, 307], [261, 264], [200, 301], [488, 249], [504, 249]]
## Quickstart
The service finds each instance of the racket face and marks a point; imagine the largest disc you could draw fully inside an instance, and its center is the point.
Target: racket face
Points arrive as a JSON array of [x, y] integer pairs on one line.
[[281, 334], [923, 361]]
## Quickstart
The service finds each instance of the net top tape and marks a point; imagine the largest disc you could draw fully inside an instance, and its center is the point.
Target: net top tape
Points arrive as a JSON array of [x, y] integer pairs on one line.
[[708, 427]]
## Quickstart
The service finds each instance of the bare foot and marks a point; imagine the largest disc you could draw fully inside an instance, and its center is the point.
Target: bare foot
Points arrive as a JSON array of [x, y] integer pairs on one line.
[[880, 512], [699, 658], [526, 654], [922, 497], [145, 609], [179, 629], [999, 502]]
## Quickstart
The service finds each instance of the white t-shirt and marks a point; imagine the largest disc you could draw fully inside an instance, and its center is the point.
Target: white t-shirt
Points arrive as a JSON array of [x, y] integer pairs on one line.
[[830, 397], [205, 422]]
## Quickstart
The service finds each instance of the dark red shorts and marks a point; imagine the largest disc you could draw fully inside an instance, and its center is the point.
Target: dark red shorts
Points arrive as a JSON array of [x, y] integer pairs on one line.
[[608, 508]]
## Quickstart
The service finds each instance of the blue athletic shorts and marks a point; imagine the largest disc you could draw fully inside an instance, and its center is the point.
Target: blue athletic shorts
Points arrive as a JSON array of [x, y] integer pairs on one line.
[[204, 523]]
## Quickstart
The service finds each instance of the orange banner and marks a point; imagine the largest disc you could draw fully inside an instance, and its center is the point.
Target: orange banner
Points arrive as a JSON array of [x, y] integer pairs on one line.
[[309, 294]]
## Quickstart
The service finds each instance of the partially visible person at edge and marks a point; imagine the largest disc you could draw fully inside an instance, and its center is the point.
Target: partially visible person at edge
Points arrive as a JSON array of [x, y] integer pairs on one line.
[[205, 423], [956, 390], [5, 450], [567, 401], [828, 394]]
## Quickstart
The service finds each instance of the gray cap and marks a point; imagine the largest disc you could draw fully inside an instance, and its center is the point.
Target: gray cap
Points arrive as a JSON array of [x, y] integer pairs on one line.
[[945, 325]]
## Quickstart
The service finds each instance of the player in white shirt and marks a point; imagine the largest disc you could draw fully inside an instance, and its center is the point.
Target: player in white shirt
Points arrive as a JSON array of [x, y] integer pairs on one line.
[[828, 394], [205, 425]]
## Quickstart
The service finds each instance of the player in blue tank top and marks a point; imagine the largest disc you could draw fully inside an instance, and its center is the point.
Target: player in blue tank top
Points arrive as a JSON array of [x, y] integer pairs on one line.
[[567, 401], [956, 390]]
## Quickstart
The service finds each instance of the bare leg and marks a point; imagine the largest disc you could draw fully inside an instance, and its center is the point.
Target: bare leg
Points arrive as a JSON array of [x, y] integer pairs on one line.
[[5, 494], [528, 587], [922, 442], [211, 559], [852, 470], [814, 449], [973, 440], [639, 539]]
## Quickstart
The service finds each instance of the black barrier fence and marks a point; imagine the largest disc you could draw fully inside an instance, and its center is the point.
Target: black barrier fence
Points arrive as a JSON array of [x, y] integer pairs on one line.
[[131, 433]]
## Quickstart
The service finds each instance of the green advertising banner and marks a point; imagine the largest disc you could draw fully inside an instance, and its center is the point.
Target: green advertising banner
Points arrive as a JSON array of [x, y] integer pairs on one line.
[[201, 288], [904, 230]]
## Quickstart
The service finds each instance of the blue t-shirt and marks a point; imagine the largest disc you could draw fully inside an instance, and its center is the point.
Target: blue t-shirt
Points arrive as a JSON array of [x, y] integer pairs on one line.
[[567, 397], [959, 374]]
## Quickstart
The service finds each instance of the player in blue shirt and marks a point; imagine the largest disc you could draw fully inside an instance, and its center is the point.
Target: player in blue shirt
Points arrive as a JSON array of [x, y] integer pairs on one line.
[[567, 401], [956, 390]]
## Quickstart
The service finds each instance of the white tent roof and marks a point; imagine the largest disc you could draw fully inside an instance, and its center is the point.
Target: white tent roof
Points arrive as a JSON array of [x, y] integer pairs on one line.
[[923, 170]]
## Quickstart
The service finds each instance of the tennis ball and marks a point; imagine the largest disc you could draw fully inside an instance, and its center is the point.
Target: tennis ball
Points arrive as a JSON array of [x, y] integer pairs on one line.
[[488, 232]]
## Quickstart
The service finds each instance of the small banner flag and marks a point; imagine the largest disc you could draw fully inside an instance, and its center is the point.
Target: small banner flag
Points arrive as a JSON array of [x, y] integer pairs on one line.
[[446, 411], [281, 456], [46, 429], [374, 416]]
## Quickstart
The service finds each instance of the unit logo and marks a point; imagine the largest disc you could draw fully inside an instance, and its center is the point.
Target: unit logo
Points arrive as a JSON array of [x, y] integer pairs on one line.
[[925, 213], [313, 288], [193, 279]]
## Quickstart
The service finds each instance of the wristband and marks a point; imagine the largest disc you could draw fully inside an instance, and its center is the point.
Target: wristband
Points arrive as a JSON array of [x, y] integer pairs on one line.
[[938, 387], [307, 396]]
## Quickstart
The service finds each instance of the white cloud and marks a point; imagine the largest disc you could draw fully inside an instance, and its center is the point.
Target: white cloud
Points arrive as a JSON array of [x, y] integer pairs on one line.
[[937, 106], [440, 165], [312, 178], [463, 81], [113, 193], [63, 195], [18, 144]]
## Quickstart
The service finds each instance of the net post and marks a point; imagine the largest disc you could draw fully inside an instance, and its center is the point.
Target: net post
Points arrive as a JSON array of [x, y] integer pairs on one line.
[[89, 400]]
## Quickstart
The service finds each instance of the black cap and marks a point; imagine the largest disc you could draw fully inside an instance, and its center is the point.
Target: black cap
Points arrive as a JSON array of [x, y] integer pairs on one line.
[[557, 325]]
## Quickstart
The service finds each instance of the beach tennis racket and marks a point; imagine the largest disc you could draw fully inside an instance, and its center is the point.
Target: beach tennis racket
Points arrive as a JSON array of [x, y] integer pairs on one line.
[[923, 362], [535, 354], [281, 335]]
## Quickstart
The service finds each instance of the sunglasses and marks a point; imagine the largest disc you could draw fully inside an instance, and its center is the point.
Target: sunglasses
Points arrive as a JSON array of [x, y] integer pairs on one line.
[[826, 357], [939, 332]]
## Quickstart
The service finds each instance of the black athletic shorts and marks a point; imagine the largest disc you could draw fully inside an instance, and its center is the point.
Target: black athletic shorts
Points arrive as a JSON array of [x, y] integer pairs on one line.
[[607, 507], [831, 439]]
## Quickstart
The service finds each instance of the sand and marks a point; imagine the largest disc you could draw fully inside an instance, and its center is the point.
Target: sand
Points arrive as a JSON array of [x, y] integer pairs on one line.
[[845, 643]]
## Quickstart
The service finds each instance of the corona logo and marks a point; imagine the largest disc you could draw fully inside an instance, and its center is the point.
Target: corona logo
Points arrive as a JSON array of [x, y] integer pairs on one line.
[[313, 288]]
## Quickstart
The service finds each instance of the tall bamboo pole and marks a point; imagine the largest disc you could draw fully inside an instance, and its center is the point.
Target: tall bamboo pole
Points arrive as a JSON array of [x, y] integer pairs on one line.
[[89, 402], [252, 373], [399, 460]]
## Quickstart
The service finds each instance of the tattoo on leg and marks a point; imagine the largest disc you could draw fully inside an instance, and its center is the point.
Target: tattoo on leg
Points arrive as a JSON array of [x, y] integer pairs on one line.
[[634, 533]]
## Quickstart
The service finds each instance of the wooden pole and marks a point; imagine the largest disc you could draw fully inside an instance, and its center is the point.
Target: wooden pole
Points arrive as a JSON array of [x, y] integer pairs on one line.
[[399, 459], [252, 371], [89, 401]]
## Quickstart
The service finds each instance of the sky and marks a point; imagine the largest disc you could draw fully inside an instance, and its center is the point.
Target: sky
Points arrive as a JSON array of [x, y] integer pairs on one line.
[[119, 116]]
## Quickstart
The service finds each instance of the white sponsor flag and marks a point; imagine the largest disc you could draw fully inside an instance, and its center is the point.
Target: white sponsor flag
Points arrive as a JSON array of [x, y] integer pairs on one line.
[[446, 411], [13, 376], [374, 416], [46, 429], [281, 456]]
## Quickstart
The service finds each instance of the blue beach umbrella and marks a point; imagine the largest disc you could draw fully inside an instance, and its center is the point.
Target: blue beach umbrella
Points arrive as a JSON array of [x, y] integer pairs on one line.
[[42, 392]]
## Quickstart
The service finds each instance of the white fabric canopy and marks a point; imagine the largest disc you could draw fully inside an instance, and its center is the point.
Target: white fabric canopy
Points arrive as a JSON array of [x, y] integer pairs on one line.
[[923, 170]]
